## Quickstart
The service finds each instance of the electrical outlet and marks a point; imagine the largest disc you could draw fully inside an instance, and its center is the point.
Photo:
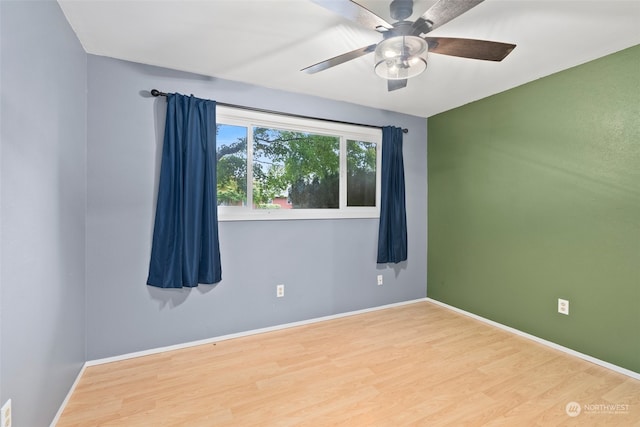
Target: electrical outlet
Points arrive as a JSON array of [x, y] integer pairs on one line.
[[563, 306], [5, 414], [379, 279], [280, 291]]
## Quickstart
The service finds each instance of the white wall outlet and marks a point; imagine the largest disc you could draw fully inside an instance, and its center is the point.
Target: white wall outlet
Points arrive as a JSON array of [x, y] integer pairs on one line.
[[280, 291], [379, 279], [5, 414], [563, 306]]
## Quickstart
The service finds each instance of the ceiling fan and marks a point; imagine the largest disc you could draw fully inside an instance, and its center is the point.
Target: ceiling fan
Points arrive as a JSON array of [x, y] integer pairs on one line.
[[402, 52]]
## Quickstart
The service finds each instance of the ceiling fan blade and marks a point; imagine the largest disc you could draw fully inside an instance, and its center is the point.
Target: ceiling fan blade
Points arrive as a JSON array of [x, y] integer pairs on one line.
[[396, 84], [354, 12], [441, 13], [337, 60], [470, 48]]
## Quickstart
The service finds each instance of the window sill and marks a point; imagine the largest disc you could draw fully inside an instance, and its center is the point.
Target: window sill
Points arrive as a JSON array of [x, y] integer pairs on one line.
[[297, 214]]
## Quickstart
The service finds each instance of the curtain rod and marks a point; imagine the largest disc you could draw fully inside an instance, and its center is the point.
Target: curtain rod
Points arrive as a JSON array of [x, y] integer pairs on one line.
[[156, 93]]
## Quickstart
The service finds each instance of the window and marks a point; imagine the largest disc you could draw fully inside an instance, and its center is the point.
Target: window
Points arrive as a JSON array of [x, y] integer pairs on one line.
[[281, 167]]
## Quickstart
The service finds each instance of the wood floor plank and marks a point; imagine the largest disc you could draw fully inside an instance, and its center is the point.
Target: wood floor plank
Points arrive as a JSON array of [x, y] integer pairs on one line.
[[418, 365]]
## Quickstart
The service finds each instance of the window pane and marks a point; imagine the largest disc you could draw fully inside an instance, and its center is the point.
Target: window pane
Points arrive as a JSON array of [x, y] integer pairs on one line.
[[361, 173], [295, 170], [231, 154]]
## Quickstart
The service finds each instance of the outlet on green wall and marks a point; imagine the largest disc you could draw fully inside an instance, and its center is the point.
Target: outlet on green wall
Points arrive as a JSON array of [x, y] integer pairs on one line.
[[534, 195]]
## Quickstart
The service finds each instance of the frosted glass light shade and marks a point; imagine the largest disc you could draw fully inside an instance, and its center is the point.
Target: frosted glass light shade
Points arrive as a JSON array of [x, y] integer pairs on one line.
[[401, 57]]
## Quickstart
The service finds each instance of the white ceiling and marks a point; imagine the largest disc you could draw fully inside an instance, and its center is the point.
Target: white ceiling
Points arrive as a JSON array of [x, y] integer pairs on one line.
[[267, 42]]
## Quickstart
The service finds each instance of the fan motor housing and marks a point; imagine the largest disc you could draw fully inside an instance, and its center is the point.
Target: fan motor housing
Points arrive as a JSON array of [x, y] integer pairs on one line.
[[402, 28]]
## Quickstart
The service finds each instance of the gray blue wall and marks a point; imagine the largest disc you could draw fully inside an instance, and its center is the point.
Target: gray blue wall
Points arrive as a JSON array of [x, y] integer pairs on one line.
[[327, 266], [42, 282], [79, 176]]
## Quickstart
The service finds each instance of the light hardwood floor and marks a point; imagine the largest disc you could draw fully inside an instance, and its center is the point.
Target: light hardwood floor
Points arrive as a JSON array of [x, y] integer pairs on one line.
[[418, 365]]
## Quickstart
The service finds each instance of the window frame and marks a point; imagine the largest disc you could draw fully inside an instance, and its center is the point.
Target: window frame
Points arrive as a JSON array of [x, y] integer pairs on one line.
[[249, 118]]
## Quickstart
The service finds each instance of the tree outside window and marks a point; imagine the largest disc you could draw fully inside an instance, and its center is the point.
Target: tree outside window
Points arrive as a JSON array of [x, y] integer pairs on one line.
[[271, 168]]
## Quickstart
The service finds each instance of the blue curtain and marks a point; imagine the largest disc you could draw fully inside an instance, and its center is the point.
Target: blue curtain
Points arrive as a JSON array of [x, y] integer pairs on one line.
[[392, 234], [185, 248]]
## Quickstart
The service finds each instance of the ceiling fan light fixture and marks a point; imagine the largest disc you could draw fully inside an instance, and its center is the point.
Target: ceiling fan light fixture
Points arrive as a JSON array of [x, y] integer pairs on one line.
[[401, 57]]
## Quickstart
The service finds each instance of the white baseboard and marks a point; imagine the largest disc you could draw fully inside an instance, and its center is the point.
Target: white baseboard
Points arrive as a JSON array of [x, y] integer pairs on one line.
[[567, 350], [68, 396], [246, 333]]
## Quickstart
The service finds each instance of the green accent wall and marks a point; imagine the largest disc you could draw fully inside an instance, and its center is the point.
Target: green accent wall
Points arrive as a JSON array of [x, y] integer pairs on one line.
[[534, 195]]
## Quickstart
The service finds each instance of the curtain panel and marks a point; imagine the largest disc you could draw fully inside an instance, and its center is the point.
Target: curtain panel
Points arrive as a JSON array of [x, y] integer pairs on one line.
[[392, 234], [185, 249]]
